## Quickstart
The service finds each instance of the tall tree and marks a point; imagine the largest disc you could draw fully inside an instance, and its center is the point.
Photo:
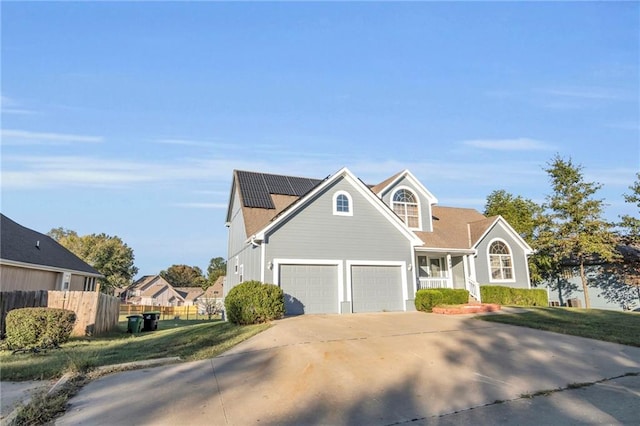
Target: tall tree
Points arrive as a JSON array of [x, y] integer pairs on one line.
[[217, 268], [576, 230], [630, 225], [627, 267], [526, 217], [184, 276], [109, 255]]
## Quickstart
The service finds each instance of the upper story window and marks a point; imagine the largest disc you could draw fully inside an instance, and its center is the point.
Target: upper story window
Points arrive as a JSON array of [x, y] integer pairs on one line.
[[405, 204], [500, 261], [342, 204]]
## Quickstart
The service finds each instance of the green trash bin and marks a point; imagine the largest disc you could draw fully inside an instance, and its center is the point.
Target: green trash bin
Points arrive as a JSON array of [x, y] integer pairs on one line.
[[135, 324]]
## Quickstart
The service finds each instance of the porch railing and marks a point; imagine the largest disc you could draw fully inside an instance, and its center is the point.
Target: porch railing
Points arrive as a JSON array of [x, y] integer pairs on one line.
[[425, 283], [474, 289]]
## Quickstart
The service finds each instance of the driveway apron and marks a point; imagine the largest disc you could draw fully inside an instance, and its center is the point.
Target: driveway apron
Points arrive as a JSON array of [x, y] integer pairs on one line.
[[374, 369]]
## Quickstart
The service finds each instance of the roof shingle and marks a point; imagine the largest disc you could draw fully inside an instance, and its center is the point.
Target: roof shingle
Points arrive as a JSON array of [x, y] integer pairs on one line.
[[21, 244]]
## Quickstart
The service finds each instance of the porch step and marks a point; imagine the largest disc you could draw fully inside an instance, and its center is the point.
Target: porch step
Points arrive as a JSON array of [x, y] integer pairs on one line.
[[473, 300]]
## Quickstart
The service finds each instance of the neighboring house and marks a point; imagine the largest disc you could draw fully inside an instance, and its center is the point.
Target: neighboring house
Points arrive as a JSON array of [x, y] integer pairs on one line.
[[153, 290], [213, 292], [611, 285], [213, 297], [339, 246], [30, 260], [189, 294]]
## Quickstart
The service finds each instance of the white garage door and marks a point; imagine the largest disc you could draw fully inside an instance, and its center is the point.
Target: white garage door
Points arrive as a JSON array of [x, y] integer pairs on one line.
[[309, 289], [376, 288]]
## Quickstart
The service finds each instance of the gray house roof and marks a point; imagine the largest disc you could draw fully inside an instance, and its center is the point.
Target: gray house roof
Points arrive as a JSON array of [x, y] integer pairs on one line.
[[23, 245]]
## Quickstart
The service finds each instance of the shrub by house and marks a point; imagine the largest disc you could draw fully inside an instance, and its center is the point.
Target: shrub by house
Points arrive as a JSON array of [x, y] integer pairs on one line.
[[428, 298], [38, 327], [253, 302]]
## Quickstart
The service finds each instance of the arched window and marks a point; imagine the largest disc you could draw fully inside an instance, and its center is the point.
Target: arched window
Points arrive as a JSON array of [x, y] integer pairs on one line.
[[405, 204], [500, 263], [342, 204]]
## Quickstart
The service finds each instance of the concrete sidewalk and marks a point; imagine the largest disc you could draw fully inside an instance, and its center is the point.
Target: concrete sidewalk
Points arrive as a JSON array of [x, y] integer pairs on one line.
[[376, 369], [13, 394]]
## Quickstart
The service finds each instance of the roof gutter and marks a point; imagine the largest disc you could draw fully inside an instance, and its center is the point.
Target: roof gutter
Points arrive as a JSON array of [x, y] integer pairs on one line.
[[47, 268]]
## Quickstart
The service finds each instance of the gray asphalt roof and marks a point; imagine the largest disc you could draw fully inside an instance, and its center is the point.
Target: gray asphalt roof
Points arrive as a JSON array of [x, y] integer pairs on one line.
[[21, 244]]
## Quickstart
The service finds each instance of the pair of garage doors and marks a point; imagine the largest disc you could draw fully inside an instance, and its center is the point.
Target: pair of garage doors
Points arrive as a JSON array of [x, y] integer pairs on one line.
[[315, 289]]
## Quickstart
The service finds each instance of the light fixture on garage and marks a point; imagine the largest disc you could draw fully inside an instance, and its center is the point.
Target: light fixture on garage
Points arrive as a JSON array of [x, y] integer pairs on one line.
[[410, 267], [270, 265]]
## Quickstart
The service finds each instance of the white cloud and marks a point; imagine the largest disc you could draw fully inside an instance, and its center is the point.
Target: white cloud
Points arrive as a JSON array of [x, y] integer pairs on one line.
[[202, 205], [518, 144], [10, 106], [25, 137], [595, 93]]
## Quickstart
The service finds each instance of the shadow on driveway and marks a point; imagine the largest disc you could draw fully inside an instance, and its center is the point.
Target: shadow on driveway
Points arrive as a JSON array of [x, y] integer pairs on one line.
[[374, 369]]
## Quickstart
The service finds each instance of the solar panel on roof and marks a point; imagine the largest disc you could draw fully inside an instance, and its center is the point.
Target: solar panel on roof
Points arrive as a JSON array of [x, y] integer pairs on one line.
[[302, 185], [254, 190], [278, 185]]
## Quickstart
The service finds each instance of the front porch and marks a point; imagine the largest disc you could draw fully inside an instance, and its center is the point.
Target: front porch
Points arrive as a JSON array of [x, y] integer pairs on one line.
[[446, 270]]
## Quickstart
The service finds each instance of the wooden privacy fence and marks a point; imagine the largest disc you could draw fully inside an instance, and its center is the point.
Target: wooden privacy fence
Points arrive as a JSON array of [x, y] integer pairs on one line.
[[96, 313], [166, 312]]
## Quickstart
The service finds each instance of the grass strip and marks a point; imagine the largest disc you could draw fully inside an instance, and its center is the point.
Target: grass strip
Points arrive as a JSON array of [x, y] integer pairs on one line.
[[609, 326], [190, 340]]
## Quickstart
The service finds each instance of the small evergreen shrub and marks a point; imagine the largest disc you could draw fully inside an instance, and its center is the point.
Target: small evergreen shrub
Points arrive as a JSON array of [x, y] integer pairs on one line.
[[428, 298], [30, 328], [514, 296], [253, 302]]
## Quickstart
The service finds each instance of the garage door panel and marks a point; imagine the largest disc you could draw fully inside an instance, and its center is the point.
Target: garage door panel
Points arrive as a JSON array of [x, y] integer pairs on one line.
[[309, 289], [376, 288]]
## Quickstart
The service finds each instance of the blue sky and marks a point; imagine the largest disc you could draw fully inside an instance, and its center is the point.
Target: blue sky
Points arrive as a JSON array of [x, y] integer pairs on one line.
[[128, 118]]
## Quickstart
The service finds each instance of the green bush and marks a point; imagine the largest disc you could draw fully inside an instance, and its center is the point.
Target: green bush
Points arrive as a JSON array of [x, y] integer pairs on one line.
[[253, 302], [513, 296], [428, 298], [29, 328]]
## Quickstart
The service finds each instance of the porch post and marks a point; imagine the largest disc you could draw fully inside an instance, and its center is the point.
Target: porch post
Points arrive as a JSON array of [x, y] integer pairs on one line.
[[449, 272]]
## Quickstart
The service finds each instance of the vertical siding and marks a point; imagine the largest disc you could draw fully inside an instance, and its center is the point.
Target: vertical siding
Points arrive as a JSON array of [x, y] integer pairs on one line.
[[425, 207], [16, 278], [520, 265], [315, 233]]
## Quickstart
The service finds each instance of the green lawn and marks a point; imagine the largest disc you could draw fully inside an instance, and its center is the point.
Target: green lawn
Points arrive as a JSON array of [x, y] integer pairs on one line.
[[610, 326], [190, 340]]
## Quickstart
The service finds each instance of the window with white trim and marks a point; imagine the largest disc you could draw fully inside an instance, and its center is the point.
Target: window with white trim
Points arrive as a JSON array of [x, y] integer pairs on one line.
[[342, 204], [405, 204], [500, 261]]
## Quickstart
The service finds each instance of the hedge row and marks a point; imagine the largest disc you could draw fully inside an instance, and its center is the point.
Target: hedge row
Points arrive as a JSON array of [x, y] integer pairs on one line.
[[253, 302], [428, 298], [513, 296], [29, 328]]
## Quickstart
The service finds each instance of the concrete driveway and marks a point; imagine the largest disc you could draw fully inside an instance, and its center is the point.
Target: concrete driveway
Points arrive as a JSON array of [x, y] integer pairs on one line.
[[373, 369]]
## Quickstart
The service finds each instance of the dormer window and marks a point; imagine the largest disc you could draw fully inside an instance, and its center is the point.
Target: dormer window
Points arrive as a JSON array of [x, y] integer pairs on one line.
[[405, 204], [342, 204]]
